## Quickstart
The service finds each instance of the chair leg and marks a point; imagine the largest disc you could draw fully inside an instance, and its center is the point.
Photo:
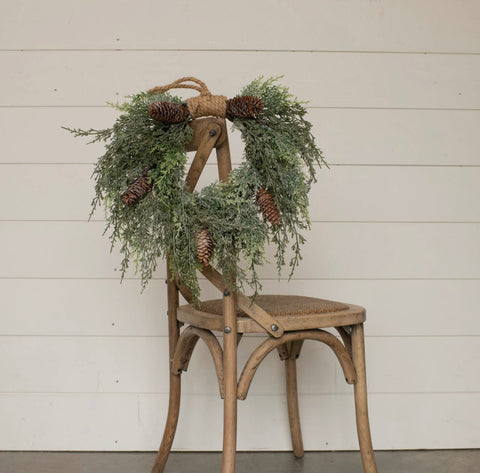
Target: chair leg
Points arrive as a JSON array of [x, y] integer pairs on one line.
[[292, 402], [230, 380], [361, 407], [170, 426]]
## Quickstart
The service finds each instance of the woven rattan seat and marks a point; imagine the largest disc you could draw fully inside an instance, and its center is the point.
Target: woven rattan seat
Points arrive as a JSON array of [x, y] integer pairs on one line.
[[295, 312], [278, 305]]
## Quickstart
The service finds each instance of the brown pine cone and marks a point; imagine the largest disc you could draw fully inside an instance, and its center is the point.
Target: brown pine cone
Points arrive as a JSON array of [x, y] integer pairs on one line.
[[204, 247], [168, 112], [244, 107], [269, 209], [137, 190]]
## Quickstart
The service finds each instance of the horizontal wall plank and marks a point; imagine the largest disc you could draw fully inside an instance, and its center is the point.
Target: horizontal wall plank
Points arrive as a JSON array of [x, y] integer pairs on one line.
[[335, 250], [134, 422], [398, 137], [353, 250], [51, 246], [106, 308], [419, 194], [347, 136], [327, 25], [327, 80], [83, 307], [422, 194], [140, 365], [47, 142]]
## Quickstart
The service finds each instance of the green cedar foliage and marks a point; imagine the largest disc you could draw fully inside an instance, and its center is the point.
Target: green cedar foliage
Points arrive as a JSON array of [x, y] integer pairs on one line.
[[280, 156]]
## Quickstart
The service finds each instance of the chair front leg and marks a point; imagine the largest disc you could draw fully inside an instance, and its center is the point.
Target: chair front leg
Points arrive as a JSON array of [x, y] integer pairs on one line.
[[361, 406], [230, 379], [175, 378]]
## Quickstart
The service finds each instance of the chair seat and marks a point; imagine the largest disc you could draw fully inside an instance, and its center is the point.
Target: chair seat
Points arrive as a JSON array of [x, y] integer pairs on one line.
[[293, 312]]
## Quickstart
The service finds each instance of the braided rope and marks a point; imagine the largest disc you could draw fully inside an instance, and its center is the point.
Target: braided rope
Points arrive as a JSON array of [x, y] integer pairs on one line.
[[203, 105], [179, 84], [206, 105]]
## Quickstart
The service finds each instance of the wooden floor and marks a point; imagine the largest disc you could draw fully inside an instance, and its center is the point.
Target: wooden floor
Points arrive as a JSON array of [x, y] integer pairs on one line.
[[437, 461]]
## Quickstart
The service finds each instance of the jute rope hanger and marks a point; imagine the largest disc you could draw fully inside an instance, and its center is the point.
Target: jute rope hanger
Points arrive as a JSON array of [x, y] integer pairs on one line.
[[179, 84], [202, 105]]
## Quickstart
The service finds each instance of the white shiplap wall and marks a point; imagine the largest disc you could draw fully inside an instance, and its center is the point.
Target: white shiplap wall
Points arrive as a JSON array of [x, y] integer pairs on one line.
[[394, 96]]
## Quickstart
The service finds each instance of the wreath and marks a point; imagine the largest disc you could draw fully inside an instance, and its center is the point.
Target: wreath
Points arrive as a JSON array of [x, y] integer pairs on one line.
[[140, 180]]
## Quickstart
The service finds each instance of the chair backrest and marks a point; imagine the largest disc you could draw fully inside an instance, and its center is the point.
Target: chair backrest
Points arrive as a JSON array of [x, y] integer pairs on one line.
[[210, 133]]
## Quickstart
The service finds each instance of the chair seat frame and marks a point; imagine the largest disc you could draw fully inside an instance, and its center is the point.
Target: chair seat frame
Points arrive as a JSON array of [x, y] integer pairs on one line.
[[211, 133]]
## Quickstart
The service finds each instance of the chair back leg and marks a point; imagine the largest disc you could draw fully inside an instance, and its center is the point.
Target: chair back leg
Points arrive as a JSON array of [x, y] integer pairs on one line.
[[170, 425], [175, 378], [293, 351]]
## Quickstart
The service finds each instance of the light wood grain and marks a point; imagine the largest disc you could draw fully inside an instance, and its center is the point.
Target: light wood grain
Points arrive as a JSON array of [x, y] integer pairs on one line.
[[270, 344], [361, 407], [292, 397], [174, 390], [257, 317], [230, 410], [186, 345], [352, 315]]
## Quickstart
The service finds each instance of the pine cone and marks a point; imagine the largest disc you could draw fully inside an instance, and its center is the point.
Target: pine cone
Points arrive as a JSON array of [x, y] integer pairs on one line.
[[137, 190], [204, 247], [244, 107], [269, 209], [168, 112]]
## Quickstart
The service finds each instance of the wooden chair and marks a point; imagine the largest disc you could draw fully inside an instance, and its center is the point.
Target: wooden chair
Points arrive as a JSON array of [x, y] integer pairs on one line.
[[287, 320]]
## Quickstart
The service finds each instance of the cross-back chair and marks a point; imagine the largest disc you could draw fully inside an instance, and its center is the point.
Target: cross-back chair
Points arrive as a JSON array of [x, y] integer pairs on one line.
[[287, 320]]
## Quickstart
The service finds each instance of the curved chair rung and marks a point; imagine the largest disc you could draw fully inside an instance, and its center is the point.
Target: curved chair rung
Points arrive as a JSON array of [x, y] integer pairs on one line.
[[185, 346], [271, 343]]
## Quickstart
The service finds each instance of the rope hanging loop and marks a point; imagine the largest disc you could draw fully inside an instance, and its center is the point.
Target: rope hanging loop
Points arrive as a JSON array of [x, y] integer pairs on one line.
[[203, 105]]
